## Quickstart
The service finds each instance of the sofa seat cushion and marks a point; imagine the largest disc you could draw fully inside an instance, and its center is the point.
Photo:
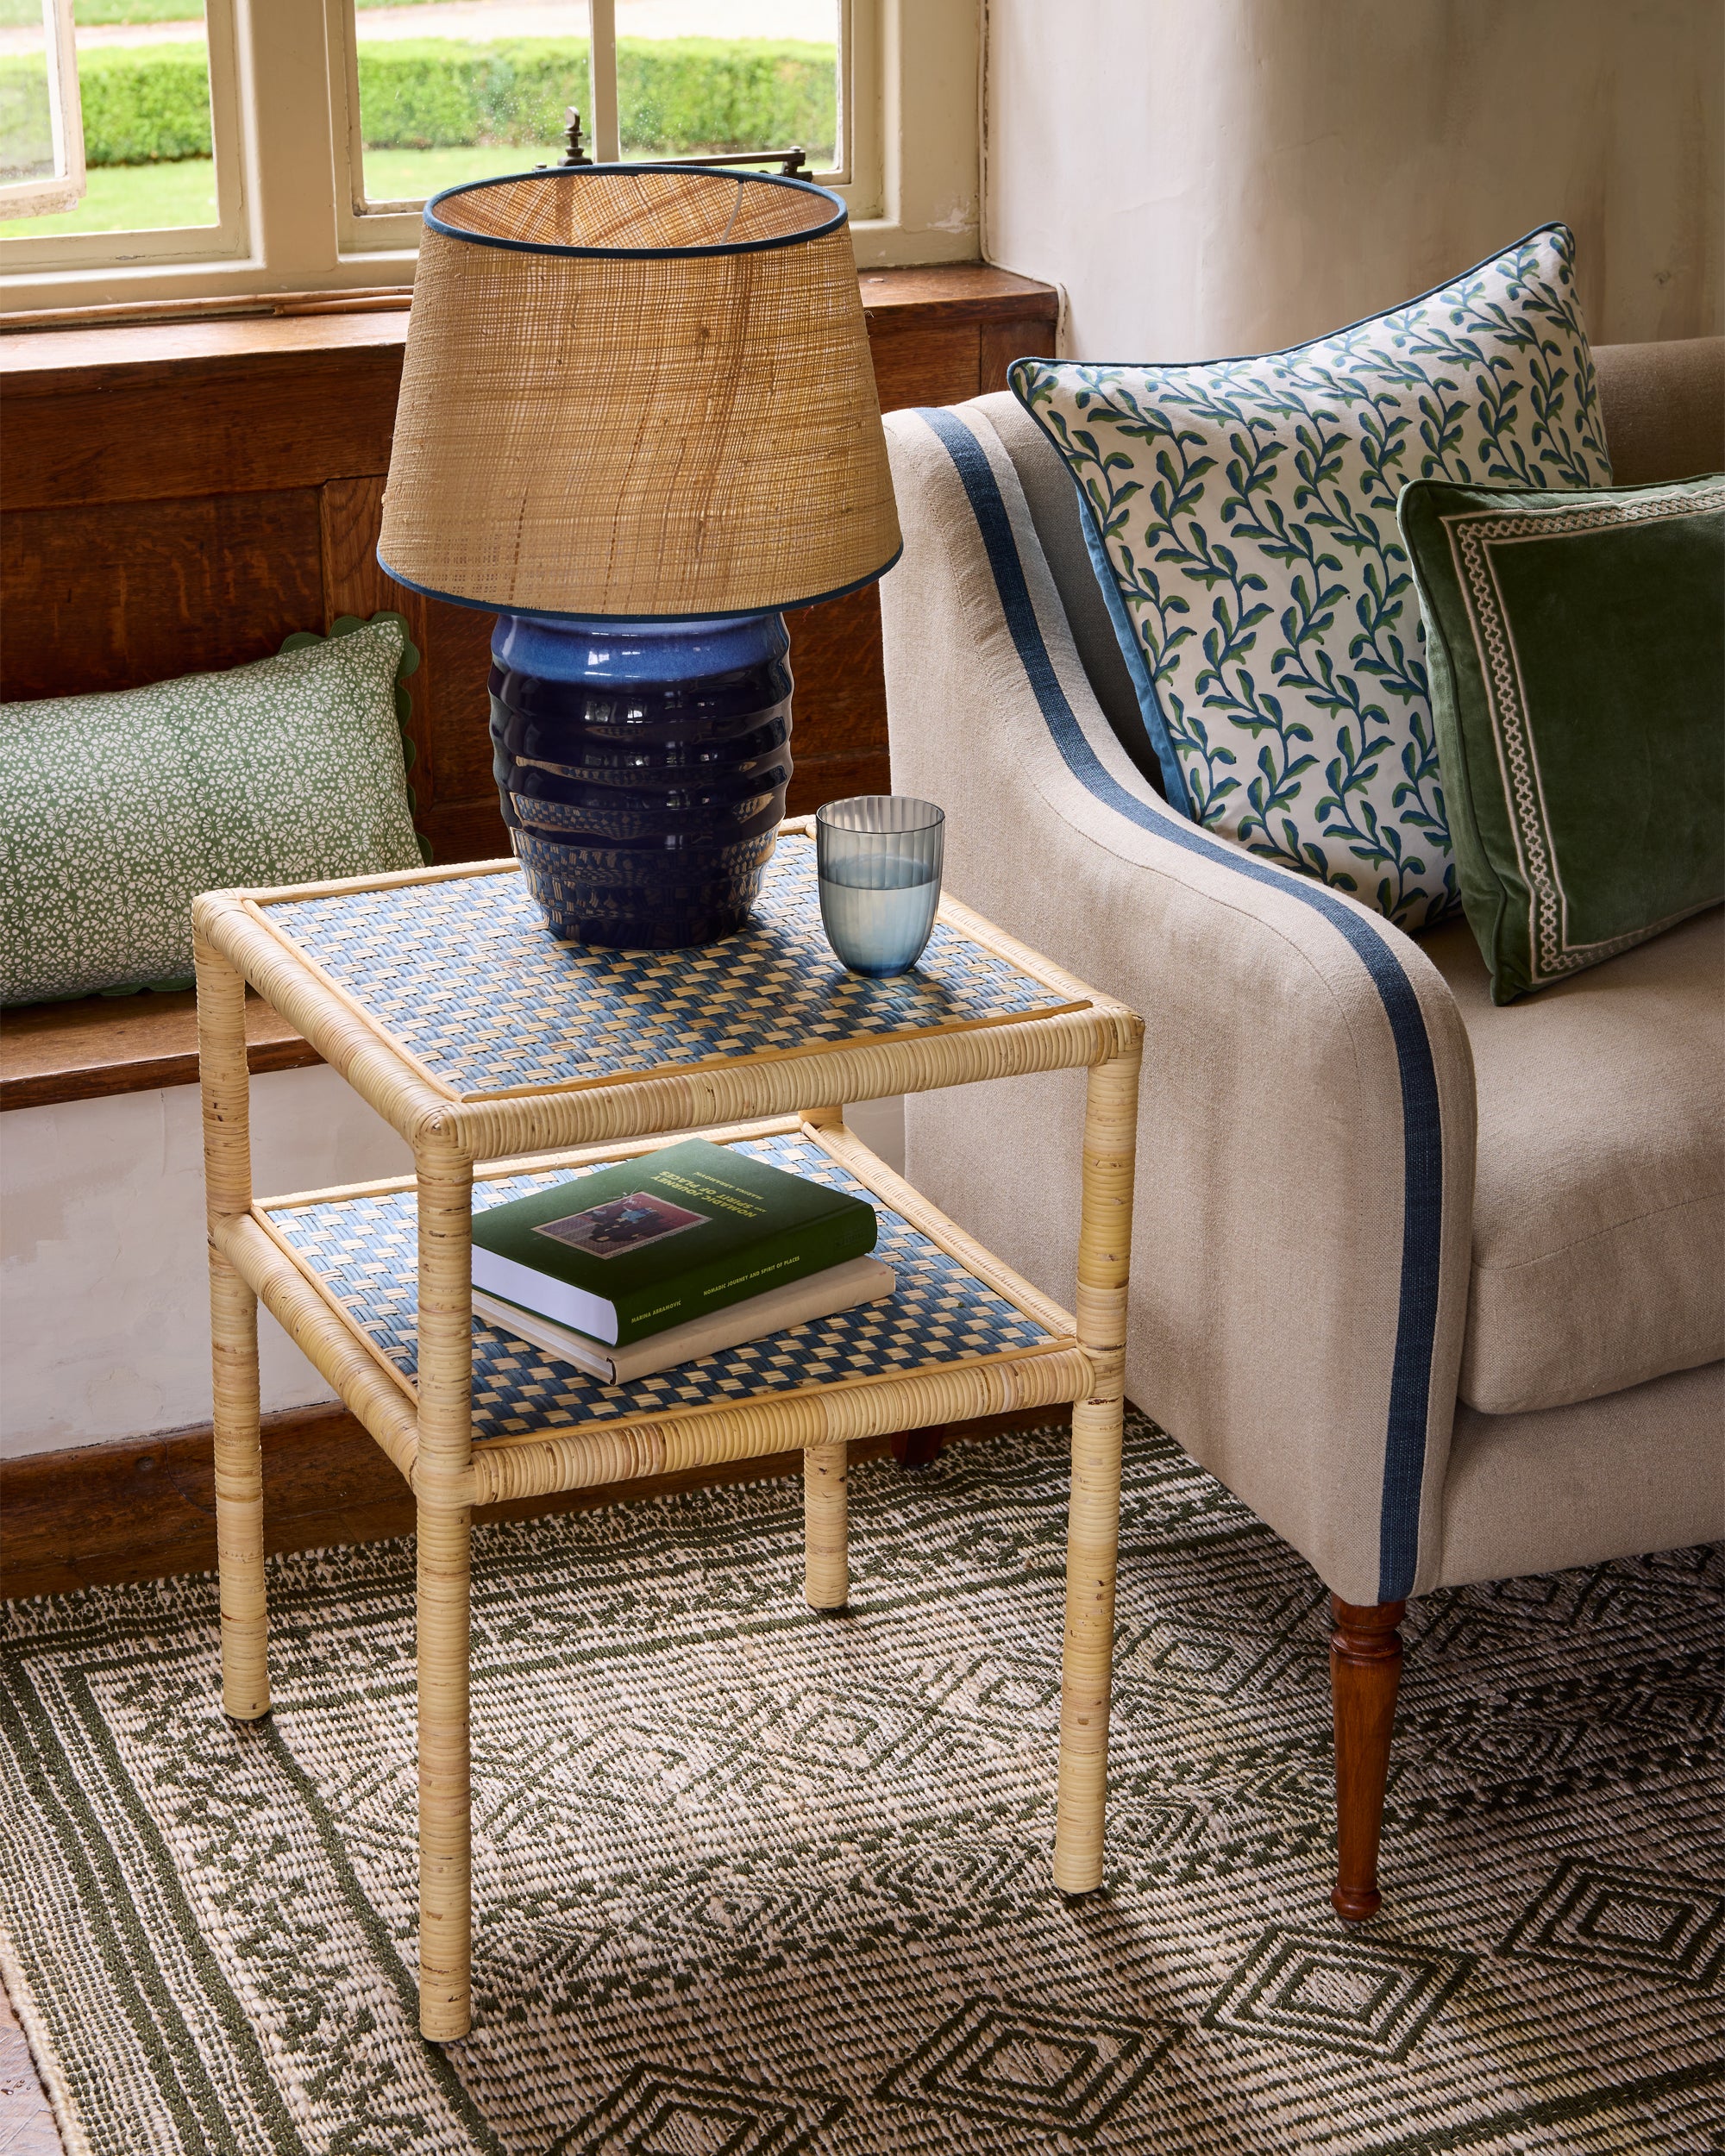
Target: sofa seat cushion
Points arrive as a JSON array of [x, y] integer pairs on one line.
[[1599, 1199]]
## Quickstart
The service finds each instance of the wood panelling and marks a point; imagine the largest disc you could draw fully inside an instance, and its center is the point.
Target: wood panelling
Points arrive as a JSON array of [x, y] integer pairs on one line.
[[185, 494], [103, 1044], [937, 365], [136, 592], [239, 424], [145, 1507], [465, 830], [818, 779], [839, 702], [451, 707], [839, 740], [1001, 342]]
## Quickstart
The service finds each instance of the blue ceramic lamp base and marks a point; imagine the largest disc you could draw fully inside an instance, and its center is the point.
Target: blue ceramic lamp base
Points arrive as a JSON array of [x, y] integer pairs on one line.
[[641, 767]]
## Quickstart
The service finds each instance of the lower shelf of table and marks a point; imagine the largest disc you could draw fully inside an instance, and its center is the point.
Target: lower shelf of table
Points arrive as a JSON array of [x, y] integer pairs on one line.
[[962, 1335]]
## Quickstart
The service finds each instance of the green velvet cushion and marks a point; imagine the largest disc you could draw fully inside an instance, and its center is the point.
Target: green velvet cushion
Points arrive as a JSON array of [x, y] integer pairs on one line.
[[116, 810], [1575, 644]]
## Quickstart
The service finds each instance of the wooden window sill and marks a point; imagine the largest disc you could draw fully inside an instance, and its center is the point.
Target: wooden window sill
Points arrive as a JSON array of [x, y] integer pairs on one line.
[[51, 1052], [67, 357]]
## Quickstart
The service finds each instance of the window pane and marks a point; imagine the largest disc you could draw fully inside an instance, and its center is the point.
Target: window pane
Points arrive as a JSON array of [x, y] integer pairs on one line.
[[27, 148], [455, 89], [703, 75], [143, 78]]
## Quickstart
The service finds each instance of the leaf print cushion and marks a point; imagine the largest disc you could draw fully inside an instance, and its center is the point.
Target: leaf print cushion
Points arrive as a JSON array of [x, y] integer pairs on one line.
[[1241, 515]]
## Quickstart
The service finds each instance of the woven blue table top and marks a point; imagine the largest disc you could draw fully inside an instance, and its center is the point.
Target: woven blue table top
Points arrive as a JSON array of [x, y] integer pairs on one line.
[[364, 1251], [464, 976]]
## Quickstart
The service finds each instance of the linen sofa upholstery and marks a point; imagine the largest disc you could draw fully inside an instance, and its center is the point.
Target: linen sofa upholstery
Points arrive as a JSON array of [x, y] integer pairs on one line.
[[1599, 1182], [1355, 1212]]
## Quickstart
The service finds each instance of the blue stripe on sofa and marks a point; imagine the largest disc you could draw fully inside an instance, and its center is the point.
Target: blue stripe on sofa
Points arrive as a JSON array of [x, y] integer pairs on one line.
[[1404, 1450]]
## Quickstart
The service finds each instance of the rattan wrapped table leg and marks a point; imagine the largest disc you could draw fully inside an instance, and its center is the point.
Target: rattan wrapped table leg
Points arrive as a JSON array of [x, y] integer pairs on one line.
[[443, 1483], [1094, 1523], [826, 1526], [234, 1340]]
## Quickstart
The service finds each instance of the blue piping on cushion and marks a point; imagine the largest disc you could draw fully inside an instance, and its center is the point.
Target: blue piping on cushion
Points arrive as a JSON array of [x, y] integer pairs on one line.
[[1404, 1446], [1149, 703]]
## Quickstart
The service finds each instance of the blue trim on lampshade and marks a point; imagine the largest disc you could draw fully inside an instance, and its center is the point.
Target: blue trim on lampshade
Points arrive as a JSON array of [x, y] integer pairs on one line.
[[572, 173], [1404, 1446], [553, 613]]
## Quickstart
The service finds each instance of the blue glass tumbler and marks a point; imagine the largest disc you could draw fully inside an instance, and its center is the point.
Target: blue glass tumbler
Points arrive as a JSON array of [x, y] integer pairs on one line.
[[878, 857]]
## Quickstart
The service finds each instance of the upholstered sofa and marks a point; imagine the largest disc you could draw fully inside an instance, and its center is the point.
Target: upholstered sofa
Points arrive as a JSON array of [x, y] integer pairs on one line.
[[1437, 1288]]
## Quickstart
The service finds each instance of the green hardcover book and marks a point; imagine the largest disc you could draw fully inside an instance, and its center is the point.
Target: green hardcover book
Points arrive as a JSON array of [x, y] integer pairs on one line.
[[656, 1241]]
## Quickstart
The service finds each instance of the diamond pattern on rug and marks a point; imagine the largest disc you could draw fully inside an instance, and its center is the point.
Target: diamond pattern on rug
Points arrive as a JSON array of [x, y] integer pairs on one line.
[[1364, 1994], [464, 975], [665, 2111], [1614, 1919], [364, 1251], [740, 1872], [1000, 2058]]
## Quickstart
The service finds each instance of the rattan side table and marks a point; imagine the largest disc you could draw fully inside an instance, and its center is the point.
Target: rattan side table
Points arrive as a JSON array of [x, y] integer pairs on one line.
[[437, 995]]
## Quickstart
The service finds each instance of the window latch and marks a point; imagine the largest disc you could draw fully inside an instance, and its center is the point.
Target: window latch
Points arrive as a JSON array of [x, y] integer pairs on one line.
[[793, 163]]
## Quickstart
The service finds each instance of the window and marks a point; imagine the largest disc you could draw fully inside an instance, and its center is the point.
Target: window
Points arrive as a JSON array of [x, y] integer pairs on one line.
[[438, 94], [241, 147], [144, 94], [41, 132]]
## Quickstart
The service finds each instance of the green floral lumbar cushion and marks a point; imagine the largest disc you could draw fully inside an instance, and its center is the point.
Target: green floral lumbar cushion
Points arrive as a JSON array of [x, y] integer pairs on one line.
[[1241, 514], [117, 810], [1577, 647]]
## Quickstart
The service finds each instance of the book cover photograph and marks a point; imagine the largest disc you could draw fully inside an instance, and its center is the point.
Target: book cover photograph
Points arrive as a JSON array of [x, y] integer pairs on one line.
[[622, 1224]]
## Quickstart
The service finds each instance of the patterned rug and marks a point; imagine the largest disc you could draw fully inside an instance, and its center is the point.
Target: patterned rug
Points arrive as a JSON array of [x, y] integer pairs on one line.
[[751, 1882]]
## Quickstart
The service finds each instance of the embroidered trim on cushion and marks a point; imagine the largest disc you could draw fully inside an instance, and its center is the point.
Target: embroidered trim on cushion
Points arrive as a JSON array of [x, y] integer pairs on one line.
[[1472, 536], [1241, 515], [1404, 1447]]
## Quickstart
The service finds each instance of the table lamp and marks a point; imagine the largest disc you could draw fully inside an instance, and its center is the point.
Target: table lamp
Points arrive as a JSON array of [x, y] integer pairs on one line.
[[637, 420]]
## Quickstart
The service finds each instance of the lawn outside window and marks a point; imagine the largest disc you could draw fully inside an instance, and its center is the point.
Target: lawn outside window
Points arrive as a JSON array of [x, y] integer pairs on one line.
[[240, 147]]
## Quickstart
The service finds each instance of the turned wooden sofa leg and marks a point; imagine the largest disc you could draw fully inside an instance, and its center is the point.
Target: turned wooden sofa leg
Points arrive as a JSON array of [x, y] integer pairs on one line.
[[1365, 1668]]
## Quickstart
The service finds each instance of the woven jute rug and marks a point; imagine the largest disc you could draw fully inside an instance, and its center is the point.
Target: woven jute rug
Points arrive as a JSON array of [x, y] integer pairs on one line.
[[749, 1882]]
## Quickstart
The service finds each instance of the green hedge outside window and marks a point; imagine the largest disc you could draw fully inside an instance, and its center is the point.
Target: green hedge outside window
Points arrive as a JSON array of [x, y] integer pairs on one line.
[[150, 104]]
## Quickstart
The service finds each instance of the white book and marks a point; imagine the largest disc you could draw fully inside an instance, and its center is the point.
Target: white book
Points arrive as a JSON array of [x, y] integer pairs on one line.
[[859, 1280]]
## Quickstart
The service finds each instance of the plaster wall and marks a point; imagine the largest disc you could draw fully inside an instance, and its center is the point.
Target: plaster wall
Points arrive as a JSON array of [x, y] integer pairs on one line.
[[104, 1316], [1212, 176]]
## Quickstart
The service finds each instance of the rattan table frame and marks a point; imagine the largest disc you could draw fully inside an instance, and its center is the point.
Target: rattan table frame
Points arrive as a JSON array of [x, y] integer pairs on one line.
[[431, 1444]]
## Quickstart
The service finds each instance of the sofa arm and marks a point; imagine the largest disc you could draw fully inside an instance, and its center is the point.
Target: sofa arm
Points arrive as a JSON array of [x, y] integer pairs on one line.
[[1306, 1151]]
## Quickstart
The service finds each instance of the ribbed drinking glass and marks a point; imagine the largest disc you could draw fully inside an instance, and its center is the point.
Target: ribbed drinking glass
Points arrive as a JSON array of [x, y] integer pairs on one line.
[[878, 856]]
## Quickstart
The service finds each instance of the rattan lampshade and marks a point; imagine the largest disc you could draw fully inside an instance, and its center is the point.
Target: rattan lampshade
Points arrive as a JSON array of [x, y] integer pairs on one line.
[[636, 392]]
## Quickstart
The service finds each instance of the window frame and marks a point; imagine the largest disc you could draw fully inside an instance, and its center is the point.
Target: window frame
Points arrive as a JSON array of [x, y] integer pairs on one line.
[[75, 253], [284, 123], [43, 195]]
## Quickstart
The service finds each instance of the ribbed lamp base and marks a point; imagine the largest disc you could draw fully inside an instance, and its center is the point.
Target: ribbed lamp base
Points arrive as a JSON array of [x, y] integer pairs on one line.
[[641, 767]]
